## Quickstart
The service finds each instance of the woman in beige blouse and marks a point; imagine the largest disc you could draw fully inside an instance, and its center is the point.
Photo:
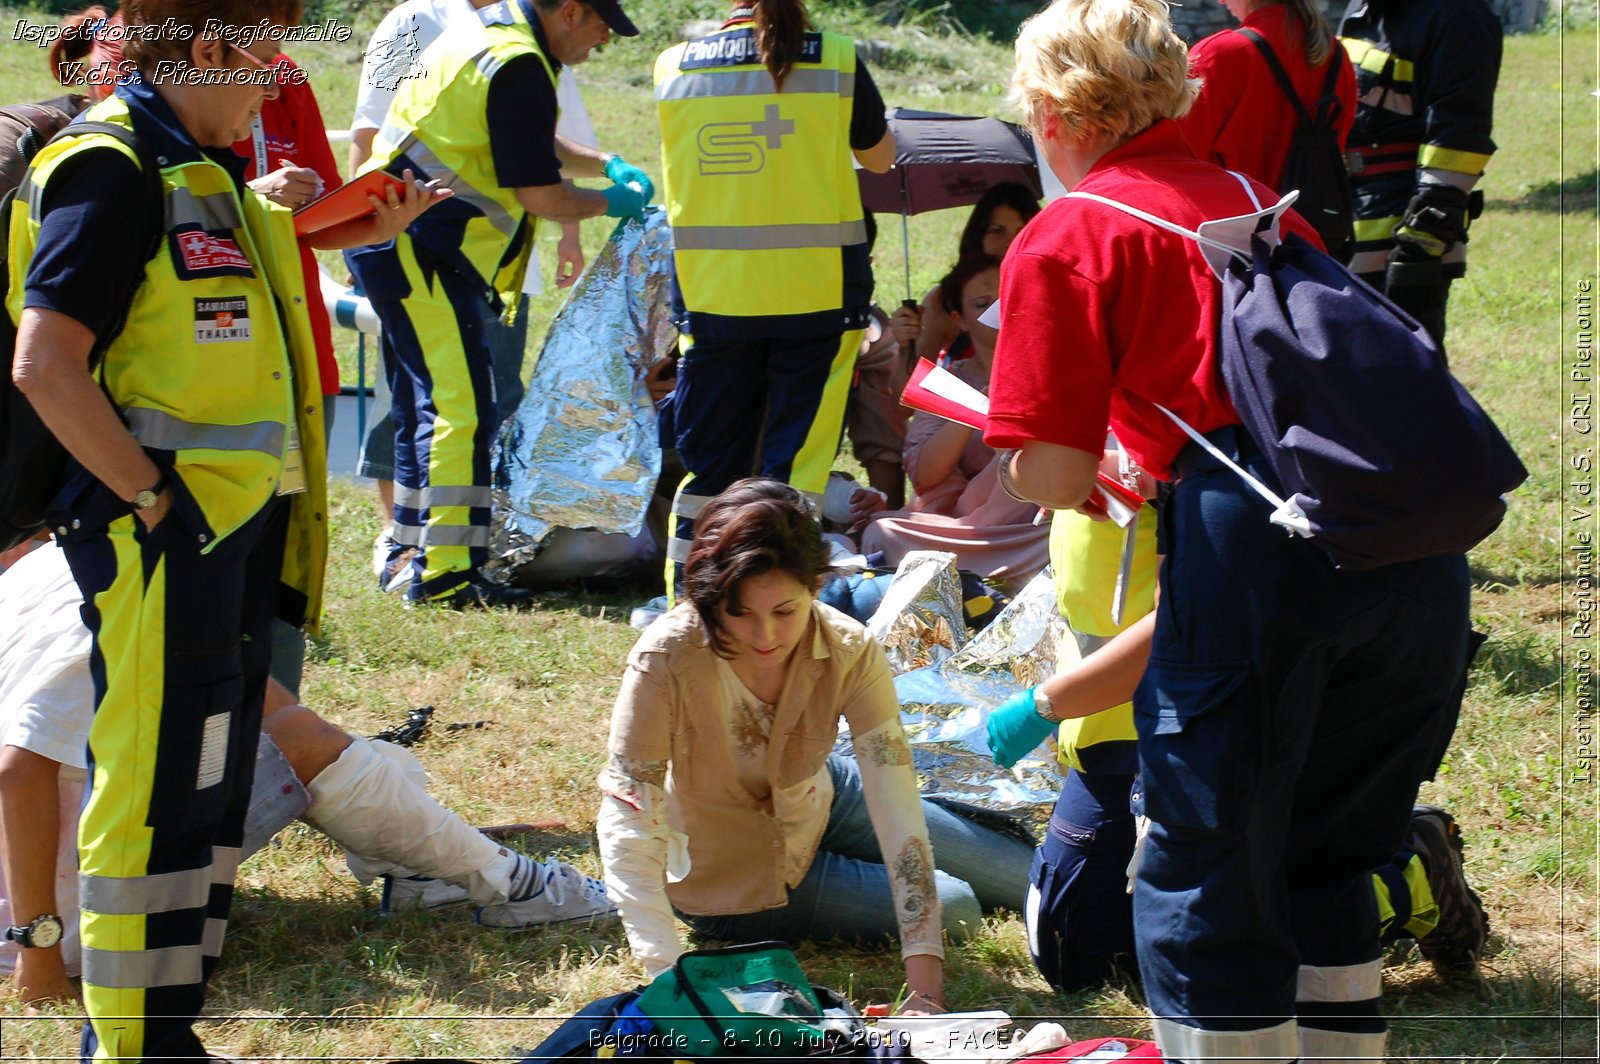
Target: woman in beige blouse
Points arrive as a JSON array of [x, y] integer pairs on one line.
[[720, 800]]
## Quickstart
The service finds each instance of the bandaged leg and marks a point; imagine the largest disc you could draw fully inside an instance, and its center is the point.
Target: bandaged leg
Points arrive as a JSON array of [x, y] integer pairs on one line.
[[374, 802]]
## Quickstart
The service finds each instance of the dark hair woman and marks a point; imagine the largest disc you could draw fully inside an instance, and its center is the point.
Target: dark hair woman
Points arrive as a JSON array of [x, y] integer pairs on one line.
[[192, 508], [773, 195], [720, 799], [995, 221]]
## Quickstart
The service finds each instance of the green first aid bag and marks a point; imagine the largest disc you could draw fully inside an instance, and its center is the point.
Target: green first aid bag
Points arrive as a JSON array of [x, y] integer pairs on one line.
[[749, 1000]]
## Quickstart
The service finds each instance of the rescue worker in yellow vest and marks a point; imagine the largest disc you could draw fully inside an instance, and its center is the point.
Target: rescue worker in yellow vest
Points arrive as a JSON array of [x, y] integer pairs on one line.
[[1425, 79], [192, 508], [481, 120], [758, 125]]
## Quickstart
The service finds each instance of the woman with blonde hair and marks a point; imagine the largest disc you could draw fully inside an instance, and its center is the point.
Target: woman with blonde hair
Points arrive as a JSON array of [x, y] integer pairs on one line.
[[1286, 712]]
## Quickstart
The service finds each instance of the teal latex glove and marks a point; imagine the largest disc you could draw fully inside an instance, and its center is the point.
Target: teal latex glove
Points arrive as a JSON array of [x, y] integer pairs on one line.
[[624, 202], [623, 172], [1015, 728]]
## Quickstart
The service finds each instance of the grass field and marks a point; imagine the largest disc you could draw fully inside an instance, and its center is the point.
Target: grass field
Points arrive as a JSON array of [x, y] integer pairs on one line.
[[314, 971]]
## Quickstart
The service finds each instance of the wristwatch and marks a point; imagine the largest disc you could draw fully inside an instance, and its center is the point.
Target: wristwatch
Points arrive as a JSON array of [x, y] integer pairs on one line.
[[41, 932], [1043, 706], [147, 499]]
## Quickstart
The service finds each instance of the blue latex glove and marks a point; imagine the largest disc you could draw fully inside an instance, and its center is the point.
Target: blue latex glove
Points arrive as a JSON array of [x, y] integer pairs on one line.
[[623, 172], [624, 202], [1015, 728]]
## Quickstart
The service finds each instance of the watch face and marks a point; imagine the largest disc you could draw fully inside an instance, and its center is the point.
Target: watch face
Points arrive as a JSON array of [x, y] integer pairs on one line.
[[145, 500], [45, 932]]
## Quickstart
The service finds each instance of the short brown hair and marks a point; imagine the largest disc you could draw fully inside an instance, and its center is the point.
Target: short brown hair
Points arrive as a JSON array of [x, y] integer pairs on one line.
[[757, 526], [188, 18]]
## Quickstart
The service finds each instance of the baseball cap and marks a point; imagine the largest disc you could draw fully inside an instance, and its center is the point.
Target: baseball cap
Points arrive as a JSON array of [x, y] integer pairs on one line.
[[611, 11]]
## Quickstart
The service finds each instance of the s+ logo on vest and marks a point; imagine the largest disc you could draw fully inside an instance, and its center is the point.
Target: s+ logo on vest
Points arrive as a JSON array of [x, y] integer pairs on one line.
[[728, 148]]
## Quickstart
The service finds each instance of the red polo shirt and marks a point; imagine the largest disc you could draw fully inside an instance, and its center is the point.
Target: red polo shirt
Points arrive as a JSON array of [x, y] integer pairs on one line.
[[1241, 120], [1102, 313]]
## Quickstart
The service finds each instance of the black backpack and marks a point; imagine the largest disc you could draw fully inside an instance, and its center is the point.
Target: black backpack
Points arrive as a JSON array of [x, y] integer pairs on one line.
[[1383, 456], [1316, 166], [32, 462]]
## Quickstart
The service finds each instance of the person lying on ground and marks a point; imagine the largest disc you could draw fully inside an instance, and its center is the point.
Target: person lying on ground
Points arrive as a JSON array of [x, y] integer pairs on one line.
[[368, 796]]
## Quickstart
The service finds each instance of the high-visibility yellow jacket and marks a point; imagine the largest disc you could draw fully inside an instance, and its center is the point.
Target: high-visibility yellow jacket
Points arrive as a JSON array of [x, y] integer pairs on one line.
[[216, 360], [438, 125], [763, 198]]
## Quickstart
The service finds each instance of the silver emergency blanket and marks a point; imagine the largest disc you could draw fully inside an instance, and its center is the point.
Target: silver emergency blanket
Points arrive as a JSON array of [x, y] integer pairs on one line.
[[943, 705], [582, 451], [919, 622]]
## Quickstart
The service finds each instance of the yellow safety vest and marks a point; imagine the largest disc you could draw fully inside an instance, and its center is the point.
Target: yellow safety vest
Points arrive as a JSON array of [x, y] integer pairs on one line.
[[217, 355], [439, 122], [758, 182], [1087, 556]]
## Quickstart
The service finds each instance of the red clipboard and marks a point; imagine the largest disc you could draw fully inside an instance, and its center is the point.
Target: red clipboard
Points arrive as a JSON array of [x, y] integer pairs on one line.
[[345, 203], [938, 391]]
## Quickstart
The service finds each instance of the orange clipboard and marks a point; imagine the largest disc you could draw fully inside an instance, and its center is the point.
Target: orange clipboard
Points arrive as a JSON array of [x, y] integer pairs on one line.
[[345, 203]]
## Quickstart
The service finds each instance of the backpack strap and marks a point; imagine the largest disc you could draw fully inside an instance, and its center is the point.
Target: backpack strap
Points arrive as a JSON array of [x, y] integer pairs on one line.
[[1278, 72]]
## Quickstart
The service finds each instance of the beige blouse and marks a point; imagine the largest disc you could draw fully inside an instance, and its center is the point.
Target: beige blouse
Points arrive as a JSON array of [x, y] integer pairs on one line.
[[715, 803]]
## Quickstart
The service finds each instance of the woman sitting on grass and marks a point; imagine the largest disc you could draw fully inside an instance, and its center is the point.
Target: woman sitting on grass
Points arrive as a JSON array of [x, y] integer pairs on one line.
[[959, 505], [721, 800]]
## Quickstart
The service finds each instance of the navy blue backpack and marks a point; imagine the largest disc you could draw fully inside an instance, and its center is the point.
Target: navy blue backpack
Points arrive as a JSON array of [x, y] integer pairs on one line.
[[1383, 456]]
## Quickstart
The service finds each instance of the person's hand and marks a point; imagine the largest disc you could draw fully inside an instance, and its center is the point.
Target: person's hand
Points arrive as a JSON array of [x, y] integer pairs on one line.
[[906, 324], [863, 504], [401, 205], [569, 256], [1015, 728], [661, 378], [153, 516], [624, 201], [289, 185], [622, 172], [919, 1004], [40, 976]]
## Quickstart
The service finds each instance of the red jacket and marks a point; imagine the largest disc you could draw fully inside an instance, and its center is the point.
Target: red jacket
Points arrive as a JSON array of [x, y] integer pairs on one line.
[[1241, 119], [295, 133]]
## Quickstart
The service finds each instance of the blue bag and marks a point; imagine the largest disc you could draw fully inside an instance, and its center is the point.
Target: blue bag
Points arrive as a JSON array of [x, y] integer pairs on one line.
[[1383, 456]]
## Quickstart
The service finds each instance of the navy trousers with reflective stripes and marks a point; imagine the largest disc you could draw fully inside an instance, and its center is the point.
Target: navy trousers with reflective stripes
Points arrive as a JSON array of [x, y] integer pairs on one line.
[[773, 407], [1288, 714], [437, 360], [180, 656]]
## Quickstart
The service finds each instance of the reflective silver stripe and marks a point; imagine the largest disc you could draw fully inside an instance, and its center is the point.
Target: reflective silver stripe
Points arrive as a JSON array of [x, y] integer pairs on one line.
[[487, 64], [1369, 262], [217, 211], [131, 896], [678, 550], [433, 167], [225, 864], [768, 237], [455, 536], [33, 195], [407, 535], [689, 505], [700, 85], [155, 428], [1351, 982], [1453, 178], [211, 938], [1332, 1047], [1267, 1045], [423, 498], [140, 969], [1454, 255]]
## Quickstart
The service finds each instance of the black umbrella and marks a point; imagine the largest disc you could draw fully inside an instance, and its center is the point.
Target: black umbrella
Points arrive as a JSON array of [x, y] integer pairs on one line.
[[943, 161]]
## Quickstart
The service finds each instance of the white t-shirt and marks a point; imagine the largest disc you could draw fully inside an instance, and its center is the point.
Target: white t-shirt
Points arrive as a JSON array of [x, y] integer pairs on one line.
[[46, 692]]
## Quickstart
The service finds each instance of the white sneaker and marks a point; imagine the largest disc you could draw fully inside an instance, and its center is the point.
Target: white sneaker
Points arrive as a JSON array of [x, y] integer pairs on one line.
[[380, 553], [413, 893], [561, 894]]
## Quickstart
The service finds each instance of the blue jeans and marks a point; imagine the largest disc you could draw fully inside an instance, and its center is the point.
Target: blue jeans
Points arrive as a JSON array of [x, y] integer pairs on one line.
[[846, 893]]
